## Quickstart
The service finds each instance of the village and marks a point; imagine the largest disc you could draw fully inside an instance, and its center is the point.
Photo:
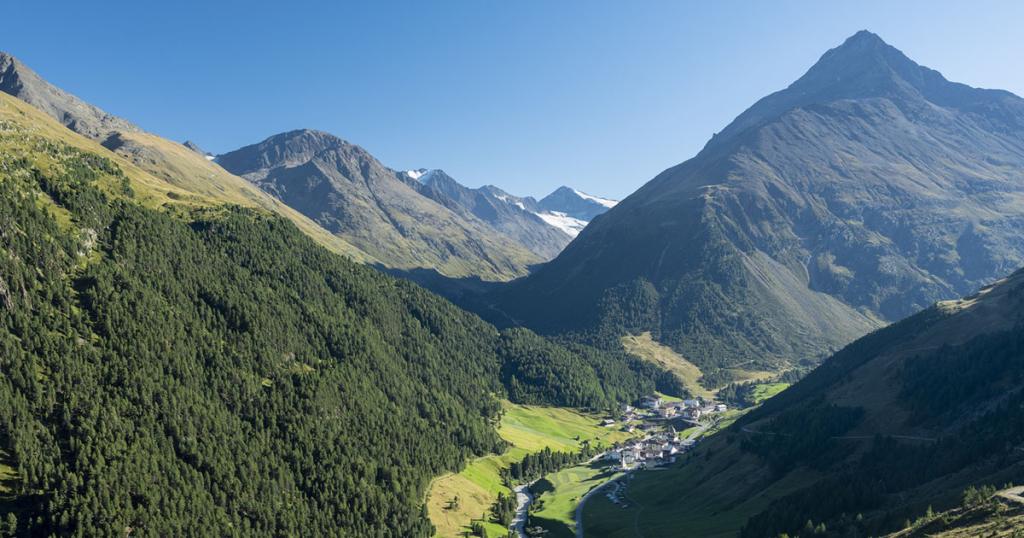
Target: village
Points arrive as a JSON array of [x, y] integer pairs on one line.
[[660, 421]]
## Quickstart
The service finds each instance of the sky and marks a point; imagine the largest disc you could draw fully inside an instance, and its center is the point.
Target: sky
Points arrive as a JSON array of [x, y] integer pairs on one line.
[[526, 95]]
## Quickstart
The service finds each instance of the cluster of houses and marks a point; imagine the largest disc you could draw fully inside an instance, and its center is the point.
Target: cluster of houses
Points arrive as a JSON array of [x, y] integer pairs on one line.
[[662, 443], [658, 449], [690, 410]]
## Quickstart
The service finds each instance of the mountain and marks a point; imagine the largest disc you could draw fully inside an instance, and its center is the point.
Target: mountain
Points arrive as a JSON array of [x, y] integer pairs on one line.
[[899, 423], [195, 147], [546, 226], [508, 214], [177, 366], [576, 204], [18, 80], [868, 189], [379, 210], [164, 172]]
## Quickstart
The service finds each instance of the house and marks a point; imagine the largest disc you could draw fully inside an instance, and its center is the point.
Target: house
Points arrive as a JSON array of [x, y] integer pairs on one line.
[[692, 413], [667, 412], [626, 409], [720, 408], [613, 455], [607, 423], [652, 402], [691, 403]]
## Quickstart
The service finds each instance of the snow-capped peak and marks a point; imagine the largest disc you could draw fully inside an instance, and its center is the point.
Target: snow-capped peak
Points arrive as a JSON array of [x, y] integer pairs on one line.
[[603, 201], [571, 226], [416, 174]]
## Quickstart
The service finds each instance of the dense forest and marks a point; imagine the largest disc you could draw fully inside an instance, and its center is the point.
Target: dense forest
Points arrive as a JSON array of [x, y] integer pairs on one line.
[[212, 371]]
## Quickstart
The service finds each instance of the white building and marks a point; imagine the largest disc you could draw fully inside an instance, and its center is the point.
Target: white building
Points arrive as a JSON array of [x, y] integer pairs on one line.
[[652, 402]]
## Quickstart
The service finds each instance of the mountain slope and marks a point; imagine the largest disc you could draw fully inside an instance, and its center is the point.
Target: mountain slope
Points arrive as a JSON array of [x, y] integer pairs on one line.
[[901, 420], [868, 189], [187, 370], [164, 172], [506, 213], [347, 191], [18, 80]]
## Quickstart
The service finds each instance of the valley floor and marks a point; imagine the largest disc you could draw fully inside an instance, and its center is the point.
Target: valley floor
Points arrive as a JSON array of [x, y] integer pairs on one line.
[[455, 500]]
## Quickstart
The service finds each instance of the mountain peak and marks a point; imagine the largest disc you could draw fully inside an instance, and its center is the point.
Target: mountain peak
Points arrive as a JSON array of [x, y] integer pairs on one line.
[[22, 82], [866, 67], [285, 149]]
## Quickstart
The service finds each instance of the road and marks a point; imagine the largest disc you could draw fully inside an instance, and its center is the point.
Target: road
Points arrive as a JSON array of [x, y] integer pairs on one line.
[[747, 429], [579, 507], [701, 428], [1012, 494]]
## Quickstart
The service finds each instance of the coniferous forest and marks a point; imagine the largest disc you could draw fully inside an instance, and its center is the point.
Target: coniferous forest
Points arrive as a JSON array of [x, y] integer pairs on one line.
[[212, 371]]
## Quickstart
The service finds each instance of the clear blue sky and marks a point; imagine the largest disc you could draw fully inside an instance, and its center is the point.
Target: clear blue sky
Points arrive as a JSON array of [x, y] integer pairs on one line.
[[525, 95]]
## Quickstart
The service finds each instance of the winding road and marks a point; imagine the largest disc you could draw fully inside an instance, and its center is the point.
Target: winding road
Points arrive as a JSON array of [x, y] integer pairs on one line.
[[701, 428]]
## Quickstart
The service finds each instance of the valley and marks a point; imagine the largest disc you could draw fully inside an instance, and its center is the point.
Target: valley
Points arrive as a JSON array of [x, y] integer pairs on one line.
[[811, 327]]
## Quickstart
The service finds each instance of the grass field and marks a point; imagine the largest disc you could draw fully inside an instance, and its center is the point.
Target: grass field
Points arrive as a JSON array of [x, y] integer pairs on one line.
[[645, 347], [741, 374], [767, 390], [685, 501], [527, 429], [559, 493]]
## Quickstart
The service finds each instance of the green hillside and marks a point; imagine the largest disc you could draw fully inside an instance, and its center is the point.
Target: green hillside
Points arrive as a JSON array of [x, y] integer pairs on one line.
[[901, 420], [196, 370]]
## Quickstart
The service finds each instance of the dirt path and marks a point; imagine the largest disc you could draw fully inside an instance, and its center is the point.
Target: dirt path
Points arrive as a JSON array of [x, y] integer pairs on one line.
[[1013, 494]]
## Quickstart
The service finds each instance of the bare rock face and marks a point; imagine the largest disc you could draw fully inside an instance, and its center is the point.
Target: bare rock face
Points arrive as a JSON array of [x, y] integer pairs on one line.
[[867, 190], [18, 80]]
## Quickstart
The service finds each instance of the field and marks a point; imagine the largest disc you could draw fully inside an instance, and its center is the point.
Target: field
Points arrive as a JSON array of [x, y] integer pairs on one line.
[[767, 390], [683, 501], [645, 347], [559, 493], [527, 429]]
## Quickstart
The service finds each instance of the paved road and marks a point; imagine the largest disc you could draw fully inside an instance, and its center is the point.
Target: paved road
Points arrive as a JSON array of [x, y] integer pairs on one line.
[[579, 507]]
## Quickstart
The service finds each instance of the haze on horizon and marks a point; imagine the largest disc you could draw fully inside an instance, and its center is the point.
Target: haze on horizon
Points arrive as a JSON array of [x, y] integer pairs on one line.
[[598, 96]]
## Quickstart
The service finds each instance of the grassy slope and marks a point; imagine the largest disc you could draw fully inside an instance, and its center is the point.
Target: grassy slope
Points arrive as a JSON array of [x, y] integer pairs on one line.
[[163, 172], [1002, 519], [561, 493], [645, 347], [527, 429], [682, 501], [767, 390]]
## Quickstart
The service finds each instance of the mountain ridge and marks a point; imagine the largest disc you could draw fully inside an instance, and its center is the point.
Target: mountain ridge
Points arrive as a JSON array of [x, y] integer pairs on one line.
[[349, 192], [840, 211]]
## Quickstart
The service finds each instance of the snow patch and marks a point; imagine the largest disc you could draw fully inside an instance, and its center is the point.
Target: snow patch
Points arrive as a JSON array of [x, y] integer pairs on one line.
[[603, 201], [415, 174], [506, 199], [571, 226]]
